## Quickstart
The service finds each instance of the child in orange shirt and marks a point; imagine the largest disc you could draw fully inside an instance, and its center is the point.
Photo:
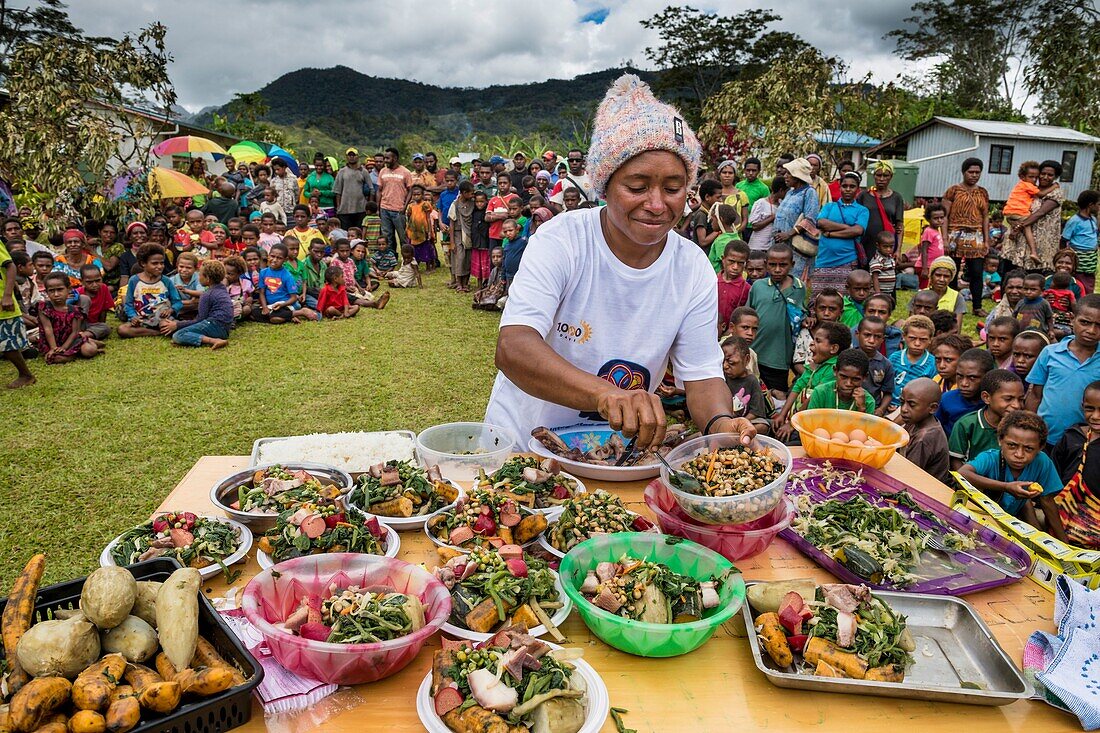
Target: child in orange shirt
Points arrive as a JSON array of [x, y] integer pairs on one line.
[[1018, 205], [418, 227]]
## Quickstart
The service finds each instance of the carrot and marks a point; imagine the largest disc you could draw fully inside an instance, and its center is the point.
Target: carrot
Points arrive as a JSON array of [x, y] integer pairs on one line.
[[775, 641], [19, 615], [822, 650], [710, 468]]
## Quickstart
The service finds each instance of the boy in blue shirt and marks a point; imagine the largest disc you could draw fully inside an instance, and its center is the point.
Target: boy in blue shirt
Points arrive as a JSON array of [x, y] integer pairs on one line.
[[279, 292], [914, 360], [966, 397], [1018, 473], [881, 306], [1079, 234]]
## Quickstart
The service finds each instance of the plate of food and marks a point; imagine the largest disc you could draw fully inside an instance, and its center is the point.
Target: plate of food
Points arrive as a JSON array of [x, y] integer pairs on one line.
[[484, 519], [588, 515], [842, 637], [315, 530], [255, 496], [514, 683], [536, 483], [354, 452], [403, 493], [491, 589], [592, 450], [209, 544]]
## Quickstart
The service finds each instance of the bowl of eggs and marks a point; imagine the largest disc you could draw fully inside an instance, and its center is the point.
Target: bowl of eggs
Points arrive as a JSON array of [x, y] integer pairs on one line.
[[855, 436]]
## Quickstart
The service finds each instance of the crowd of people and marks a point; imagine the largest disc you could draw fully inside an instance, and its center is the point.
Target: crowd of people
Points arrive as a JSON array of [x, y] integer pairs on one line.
[[808, 272]]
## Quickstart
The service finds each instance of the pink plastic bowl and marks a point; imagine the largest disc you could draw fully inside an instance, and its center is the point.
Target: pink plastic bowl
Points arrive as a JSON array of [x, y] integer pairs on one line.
[[732, 541], [268, 601]]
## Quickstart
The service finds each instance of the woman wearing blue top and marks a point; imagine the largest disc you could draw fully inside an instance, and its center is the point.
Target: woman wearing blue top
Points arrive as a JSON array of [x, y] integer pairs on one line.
[[801, 201], [841, 224]]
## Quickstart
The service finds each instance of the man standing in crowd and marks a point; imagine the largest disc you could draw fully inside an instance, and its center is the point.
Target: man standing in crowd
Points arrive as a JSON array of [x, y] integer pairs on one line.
[[431, 164], [456, 166], [519, 170], [286, 187], [575, 178], [485, 181], [348, 190], [394, 182], [421, 177]]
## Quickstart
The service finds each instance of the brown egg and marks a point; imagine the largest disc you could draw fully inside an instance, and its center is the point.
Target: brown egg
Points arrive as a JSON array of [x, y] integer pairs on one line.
[[822, 433], [873, 443], [859, 435], [840, 436], [855, 443]]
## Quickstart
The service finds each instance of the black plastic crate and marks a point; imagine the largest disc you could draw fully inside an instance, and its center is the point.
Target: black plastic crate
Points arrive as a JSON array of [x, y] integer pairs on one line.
[[213, 714]]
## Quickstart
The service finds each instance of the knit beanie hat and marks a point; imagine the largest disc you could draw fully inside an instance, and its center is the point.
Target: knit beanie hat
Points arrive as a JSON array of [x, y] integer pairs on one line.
[[630, 121], [943, 263]]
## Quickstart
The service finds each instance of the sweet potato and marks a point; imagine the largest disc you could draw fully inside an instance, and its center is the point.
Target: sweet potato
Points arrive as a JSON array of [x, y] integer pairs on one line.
[[92, 688], [19, 615], [165, 668], [139, 676], [822, 650], [108, 596], [402, 506], [773, 638], [207, 656], [524, 615], [446, 553], [529, 528], [36, 700], [477, 718], [145, 604], [264, 545], [133, 638], [445, 490], [161, 697], [483, 617], [886, 673], [123, 714], [56, 723], [59, 648], [87, 721], [505, 534], [178, 616], [204, 682], [442, 661], [120, 692], [824, 669]]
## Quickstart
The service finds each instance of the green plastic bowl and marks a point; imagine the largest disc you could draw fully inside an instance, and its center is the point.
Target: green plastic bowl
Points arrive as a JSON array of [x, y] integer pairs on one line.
[[682, 556]]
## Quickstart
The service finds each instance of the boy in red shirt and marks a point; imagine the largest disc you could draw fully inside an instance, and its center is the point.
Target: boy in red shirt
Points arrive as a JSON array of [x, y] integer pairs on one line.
[[96, 301], [733, 288], [333, 301]]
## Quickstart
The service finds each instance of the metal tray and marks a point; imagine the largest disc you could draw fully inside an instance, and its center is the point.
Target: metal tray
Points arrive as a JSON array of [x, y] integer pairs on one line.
[[954, 646], [254, 459], [954, 575]]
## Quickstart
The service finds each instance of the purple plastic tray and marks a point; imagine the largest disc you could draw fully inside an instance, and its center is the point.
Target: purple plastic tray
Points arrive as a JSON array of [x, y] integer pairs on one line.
[[944, 578]]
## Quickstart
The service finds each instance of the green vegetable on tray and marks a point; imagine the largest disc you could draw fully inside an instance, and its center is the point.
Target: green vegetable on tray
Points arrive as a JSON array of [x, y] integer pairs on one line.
[[276, 488], [402, 489], [533, 482]]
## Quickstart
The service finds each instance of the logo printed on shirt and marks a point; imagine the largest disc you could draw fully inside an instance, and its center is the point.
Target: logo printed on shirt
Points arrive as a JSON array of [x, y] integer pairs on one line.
[[577, 334], [272, 284], [624, 375]]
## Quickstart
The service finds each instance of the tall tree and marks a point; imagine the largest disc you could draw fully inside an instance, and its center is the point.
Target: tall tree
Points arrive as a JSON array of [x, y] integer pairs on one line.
[[1060, 74], [40, 22], [980, 47], [700, 51], [66, 131]]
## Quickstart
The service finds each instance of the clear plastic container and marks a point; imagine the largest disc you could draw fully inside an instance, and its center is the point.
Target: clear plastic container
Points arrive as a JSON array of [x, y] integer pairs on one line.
[[737, 509], [734, 541], [461, 449], [891, 435]]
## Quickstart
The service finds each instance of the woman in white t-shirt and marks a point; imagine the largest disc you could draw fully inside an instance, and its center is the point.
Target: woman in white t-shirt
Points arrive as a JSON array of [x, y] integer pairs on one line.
[[606, 297]]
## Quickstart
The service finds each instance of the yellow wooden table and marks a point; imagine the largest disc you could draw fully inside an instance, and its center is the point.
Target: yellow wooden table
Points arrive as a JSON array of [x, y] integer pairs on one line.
[[717, 687]]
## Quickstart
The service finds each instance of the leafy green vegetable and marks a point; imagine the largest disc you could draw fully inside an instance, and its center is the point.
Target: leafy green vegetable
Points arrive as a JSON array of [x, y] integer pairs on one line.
[[414, 484], [617, 717], [879, 632], [213, 541]]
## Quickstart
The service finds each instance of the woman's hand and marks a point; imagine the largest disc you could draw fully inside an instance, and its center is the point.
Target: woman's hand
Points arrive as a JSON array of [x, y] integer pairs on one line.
[[783, 236], [737, 425], [634, 412]]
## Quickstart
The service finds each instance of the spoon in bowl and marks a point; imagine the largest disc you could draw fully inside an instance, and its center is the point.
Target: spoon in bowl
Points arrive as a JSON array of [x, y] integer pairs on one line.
[[681, 479]]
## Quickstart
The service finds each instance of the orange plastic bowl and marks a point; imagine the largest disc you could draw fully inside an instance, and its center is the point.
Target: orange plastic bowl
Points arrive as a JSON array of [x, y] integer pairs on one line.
[[891, 436]]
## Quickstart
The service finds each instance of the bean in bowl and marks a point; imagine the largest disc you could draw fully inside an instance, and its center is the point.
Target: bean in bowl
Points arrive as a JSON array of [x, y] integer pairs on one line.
[[734, 471]]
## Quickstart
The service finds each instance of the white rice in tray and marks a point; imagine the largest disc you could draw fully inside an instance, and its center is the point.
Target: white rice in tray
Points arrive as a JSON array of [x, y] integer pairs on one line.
[[353, 452]]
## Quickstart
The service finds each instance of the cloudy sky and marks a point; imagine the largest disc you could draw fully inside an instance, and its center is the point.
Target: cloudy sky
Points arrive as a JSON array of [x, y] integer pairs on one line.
[[226, 46]]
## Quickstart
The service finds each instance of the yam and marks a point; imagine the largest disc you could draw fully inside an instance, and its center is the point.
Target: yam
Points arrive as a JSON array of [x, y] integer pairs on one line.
[[178, 616], [483, 618], [36, 701], [56, 723], [529, 528], [145, 604], [524, 615], [92, 688], [59, 648], [822, 650], [133, 638], [886, 673], [402, 506], [774, 640], [87, 721], [108, 596], [19, 615], [654, 605], [161, 697], [123, 714], [207, 656], [766, 597]]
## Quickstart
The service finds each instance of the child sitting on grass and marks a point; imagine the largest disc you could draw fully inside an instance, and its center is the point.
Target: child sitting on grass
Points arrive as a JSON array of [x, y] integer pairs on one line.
[[186, 280], [1033, 311], [492, 295], [1002, 392], [748, 396], [999, 335], [239, 287], [733, 289], [947, 349], [334, 302], [214, 316], [927, 448], [879, 382], [61, 335], [1062, 304], [95, 300], [366, 277], [1079, 502], [279, 297], [382, 258], [342, 260], [847, 392], [830, 338], [408, 275], [914, 360], [966, 397], [150, 296], [1018, 473]]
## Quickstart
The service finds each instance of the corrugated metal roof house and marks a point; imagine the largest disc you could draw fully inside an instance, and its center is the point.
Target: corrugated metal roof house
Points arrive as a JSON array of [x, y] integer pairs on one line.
[[940, 145]]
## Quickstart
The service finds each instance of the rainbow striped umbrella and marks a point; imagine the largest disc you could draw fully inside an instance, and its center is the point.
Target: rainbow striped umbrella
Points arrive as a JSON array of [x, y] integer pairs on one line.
[[187, 145], [165, 183]]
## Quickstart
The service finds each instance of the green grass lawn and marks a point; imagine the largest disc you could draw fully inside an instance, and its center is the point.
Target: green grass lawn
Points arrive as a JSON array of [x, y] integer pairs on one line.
[[94, 447]]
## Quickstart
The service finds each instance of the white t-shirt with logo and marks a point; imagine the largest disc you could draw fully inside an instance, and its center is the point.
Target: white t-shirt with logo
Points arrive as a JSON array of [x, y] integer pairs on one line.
[[606, 318], [582, 182]]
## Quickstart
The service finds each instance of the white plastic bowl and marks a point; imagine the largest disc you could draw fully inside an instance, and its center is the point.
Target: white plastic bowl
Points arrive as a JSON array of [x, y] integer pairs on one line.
[[393, 546], [558, 618], [596, 711], [737, 509], [451, 446], [245, 534], [404, 524]]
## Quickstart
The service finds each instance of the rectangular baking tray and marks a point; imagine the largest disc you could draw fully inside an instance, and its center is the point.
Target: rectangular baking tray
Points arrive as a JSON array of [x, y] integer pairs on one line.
[[954, 646], [254, 459], [958, 576]]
